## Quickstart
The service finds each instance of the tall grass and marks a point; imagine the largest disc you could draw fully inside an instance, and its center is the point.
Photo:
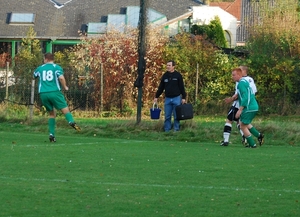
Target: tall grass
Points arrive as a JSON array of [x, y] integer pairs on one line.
[[279, 130]]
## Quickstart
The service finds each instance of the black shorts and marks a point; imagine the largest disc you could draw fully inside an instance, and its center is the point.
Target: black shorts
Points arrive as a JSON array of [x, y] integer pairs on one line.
[[231, 114]]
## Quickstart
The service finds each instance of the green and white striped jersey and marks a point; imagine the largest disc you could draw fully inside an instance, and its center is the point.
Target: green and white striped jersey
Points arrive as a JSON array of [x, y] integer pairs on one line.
[[48, 74]]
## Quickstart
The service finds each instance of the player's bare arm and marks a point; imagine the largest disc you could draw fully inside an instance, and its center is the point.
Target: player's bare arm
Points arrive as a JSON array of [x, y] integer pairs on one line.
[[63, 83], [231, 99]]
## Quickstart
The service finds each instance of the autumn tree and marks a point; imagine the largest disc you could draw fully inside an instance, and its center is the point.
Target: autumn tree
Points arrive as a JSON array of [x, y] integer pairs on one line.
[[4, 58], [116, 53]]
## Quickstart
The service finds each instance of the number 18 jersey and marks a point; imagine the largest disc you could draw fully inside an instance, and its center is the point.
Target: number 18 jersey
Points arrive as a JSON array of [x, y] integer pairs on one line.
[[48, 74]]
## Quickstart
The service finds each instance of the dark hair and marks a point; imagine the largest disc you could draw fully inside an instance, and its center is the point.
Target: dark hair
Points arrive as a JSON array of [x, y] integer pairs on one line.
[[49, 56], [173, 62]]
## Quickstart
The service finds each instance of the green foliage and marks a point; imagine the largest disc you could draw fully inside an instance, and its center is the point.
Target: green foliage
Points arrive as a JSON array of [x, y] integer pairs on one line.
[[29, 56], [214, 68], [62, 59], [13, 112], [26, 60], [200, 30], [71, 75], [274, 58], [213, 32], [216, 32]]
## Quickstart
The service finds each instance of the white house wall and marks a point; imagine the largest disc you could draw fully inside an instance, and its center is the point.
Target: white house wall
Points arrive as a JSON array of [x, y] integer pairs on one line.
[[205, 14]]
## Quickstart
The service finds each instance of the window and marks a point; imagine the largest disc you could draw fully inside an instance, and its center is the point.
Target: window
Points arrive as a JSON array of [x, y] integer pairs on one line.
[[228, 38], [96, 28], [21, 18]]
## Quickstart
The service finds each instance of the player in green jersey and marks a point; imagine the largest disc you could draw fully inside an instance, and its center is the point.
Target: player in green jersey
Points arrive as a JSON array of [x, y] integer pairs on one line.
[[248, 108], [234, 108], [51, 79]]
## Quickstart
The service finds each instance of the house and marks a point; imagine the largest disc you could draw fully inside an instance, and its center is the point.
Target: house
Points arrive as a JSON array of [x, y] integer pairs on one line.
[[57, 23], [201, 15], [235, 9]]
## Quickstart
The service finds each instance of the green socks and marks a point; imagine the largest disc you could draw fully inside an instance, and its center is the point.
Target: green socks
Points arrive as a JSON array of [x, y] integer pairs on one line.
[[51, 124], [69, 117], [250, 140], [254, 132]]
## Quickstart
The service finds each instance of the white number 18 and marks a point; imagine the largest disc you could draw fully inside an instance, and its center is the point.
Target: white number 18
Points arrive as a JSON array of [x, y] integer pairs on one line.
[[47, 75]]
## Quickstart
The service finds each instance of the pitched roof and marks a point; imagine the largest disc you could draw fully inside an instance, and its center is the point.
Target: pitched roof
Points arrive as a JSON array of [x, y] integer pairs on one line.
[[63, 18], [234, 8]]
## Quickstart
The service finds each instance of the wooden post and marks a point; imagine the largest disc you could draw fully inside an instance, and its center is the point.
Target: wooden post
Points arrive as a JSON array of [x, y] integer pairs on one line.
[[197, 81], [6, 80], [31, 106], [141, 56], [101, 87]]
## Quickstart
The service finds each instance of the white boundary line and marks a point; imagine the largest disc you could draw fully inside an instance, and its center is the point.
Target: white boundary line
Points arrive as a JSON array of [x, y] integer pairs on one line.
[[49, 144], [81, 143], [153, 185], [60, 144], [56, 144]]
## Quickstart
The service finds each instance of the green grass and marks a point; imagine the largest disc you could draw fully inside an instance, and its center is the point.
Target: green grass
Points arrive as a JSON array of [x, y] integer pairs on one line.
[[114, 168]]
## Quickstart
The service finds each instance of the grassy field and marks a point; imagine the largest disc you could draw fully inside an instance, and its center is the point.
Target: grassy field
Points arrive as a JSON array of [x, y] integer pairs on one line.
[[113, 168]]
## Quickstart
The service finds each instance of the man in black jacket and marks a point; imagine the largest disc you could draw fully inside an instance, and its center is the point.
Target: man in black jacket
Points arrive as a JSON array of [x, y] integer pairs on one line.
[[172, 84]]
